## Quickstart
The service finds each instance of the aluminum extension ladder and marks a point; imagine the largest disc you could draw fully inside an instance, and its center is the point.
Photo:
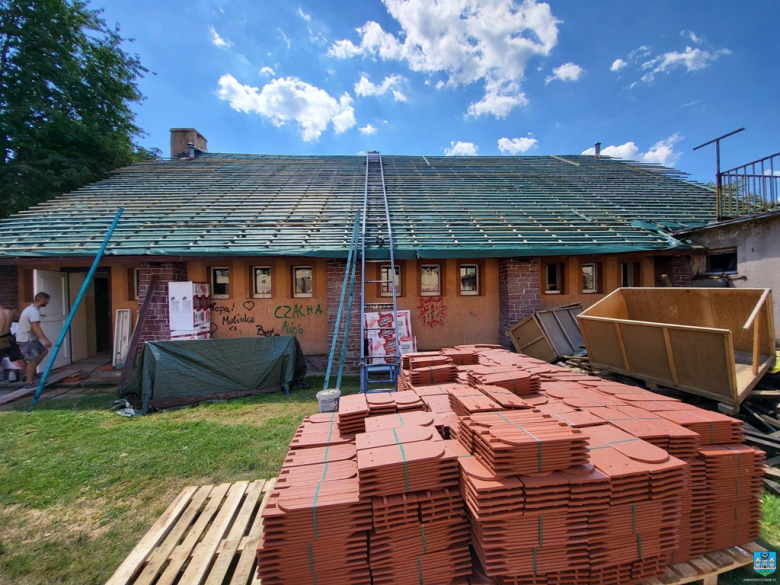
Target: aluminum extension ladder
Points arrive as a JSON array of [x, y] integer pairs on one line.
[[376, 230]]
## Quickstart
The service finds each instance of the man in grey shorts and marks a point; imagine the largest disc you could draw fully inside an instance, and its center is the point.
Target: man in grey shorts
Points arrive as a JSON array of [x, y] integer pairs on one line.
[[33, 343]]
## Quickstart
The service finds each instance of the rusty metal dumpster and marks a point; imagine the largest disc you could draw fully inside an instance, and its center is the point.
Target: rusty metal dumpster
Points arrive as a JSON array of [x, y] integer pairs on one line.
[[714, 342]]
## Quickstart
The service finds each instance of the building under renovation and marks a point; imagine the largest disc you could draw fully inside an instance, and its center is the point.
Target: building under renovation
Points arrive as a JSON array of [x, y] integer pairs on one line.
[[479, 242]]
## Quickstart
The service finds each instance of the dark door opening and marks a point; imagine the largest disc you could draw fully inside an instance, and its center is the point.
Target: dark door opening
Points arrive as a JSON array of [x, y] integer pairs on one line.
[[102, 314]]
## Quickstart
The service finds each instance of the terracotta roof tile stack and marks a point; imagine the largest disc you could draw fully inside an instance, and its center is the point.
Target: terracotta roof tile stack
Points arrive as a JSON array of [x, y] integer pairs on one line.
[[518, 442], [734, 486], [353, 410], [466, 400], [635, 535], [461, 357], [316, 523], [407, 357], [420, 533], [505, 398], [567, 479], [431, 375], [510, 378]]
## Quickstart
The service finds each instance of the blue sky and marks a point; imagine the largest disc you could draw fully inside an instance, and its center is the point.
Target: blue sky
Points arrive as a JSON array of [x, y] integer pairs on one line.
[[649, 80]]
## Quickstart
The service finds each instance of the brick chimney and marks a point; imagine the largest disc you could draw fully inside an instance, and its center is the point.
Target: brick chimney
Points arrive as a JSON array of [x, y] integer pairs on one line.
[[181, 138]]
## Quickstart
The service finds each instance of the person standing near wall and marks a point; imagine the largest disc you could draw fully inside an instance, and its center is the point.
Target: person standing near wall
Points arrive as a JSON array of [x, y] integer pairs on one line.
[[32, 341], [8, 345]]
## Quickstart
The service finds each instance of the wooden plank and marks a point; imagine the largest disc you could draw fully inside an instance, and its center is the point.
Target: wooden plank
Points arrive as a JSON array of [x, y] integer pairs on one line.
[[204, 552], [182, 552], [685, 570], [161, 554], [246, 561], [756, 348], [720, 559], [756, 309], [230, 546], [703, 565], [626, 365], [135, 338], [670, 356], [23, 392], [139, 554]]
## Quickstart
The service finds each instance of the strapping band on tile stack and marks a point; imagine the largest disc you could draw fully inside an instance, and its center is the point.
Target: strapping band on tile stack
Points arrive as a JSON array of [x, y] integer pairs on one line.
[[566, 478]]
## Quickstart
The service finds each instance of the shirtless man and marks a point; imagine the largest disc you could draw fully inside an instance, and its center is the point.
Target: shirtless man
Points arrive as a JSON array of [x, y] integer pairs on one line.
[[32, 340], [8, 346]]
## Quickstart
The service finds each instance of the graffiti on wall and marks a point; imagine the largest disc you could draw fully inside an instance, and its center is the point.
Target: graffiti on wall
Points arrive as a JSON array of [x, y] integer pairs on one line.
[[432, 311], [225, 316], [291, 315]]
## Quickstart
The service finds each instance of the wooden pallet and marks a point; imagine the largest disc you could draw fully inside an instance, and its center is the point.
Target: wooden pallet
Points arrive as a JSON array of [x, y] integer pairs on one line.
[[207, 536], [707, 568]]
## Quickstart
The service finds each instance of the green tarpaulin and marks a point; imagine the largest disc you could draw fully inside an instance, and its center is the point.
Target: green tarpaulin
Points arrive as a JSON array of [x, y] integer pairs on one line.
[[185, 372]]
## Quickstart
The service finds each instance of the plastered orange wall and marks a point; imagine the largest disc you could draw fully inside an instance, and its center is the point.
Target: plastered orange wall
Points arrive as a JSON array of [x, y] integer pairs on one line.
[[610, 278], [468, 319], [282, 314]]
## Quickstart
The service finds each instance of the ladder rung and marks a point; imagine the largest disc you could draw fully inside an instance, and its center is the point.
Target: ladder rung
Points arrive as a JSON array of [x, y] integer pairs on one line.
[[379, 281]]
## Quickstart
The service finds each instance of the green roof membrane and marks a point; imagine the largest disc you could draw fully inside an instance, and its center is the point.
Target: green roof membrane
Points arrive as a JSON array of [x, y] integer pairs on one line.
[[263, 205]]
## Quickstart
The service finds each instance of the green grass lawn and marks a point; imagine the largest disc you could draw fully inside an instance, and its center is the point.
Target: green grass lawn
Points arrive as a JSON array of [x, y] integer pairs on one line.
[[79, 485]]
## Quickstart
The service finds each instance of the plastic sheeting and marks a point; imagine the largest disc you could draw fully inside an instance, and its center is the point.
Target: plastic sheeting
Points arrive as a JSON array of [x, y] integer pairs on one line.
[[186, 372]]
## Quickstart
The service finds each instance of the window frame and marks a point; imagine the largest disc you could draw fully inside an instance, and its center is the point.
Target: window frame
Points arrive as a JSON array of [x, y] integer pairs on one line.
[[212, 281], [255, 294], [561, 273], [720, 252], [136, 283], [469, 293], [295, 293], [635, 274], [399, 285], [590, 291], [440, 290]]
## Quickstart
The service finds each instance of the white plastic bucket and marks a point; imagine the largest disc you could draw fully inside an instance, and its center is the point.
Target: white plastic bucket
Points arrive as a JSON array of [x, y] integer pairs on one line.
[[329, 400]]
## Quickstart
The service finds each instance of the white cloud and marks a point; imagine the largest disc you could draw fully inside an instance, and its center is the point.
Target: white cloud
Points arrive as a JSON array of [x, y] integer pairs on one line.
[[769, 173], [617, 65], [461, 149], [317, 38], [566, 72], [267, 71], [662, 152], [392, 84], [498, 100], [303, 15], [691, 59], [517, 145], [286, 38], [218, 41], [289, 99], [639, 52], [488, 41], [691, 35], [368, 130]]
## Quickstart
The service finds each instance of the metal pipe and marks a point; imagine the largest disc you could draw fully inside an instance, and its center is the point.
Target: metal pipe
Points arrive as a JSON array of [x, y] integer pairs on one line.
[[75, 307]]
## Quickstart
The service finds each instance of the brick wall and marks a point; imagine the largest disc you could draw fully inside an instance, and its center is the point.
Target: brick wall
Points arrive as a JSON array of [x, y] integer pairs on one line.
[[9, 286], [679, 269], [336, 270], [156, 325], [518, 293]]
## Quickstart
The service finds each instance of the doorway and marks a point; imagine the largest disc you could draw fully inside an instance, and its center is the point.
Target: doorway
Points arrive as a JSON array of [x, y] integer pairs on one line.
[[90, 330]]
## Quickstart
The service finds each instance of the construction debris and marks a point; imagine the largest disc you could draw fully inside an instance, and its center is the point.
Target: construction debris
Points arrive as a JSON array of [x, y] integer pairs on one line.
[[551, 476]]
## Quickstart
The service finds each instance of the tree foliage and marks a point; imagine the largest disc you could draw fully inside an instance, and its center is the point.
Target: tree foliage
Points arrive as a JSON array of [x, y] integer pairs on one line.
[[67, 89]]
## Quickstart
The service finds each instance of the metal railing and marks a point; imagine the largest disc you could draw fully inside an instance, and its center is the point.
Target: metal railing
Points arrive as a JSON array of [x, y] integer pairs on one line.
[[749, 189]]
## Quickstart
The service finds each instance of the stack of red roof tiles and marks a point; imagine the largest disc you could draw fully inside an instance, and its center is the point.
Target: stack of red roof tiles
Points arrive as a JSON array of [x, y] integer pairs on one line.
[[566, 479]]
